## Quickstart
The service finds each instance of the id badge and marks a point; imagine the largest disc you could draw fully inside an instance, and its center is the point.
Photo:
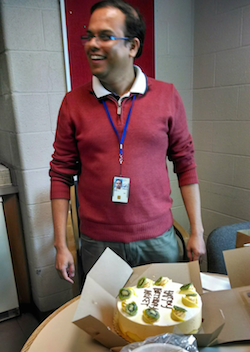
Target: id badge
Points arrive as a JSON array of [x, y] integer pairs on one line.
[[120, 192]]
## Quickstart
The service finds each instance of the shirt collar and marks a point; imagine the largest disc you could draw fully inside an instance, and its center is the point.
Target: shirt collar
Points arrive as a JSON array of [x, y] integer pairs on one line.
[[139, 86]]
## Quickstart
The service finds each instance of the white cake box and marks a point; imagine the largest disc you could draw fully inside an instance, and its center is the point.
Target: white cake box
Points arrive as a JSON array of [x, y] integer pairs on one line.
[[95, 311]]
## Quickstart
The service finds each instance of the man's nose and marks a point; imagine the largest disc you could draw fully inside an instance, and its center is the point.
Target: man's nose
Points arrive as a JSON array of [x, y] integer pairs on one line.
[[95, 41]]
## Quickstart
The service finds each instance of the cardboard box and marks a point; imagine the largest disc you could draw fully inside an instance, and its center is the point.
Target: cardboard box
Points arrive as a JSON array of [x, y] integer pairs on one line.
[[233, 303], [97, 304], [243, 237], [235, 306], [238, 263]]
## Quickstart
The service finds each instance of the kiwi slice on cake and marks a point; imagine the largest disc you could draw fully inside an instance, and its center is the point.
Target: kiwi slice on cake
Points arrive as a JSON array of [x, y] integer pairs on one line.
[[158, 281], [162, 281], [141, 282], [187, 288], [131, 308], [124, 293], [190, 300], [178, 313], [150, 315]]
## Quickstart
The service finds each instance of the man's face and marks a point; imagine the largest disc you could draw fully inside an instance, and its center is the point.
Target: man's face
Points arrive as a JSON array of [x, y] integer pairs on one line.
[[118, 184], [111, 59]]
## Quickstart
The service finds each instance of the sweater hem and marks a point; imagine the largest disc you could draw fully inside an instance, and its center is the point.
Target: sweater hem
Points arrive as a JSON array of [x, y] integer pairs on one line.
[[128, 233]]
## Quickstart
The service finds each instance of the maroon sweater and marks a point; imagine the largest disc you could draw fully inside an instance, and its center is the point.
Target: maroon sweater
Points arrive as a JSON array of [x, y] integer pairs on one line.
[[86, 144]]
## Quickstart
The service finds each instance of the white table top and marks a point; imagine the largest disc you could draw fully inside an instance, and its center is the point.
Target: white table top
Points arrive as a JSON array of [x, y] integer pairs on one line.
[[59, 334]]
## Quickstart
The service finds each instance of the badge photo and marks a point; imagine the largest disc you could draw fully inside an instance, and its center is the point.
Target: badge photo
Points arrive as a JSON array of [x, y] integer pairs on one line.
[[120, 189]]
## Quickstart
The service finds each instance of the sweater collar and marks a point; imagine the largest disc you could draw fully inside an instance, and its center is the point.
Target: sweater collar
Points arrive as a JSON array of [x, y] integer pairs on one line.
[[139, 86]]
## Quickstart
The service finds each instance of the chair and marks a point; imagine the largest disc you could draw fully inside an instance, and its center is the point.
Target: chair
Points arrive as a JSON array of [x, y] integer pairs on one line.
[[220, 239], [183, 237]]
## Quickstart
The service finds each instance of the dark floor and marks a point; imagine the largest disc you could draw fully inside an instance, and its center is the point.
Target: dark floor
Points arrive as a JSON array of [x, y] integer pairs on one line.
[[14, 332]]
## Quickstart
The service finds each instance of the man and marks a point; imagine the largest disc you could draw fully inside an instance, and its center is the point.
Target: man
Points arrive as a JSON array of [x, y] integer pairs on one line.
[[122, 124]]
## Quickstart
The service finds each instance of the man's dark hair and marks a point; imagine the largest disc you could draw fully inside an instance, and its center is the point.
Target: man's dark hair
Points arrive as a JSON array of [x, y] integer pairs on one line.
[[134, 23]]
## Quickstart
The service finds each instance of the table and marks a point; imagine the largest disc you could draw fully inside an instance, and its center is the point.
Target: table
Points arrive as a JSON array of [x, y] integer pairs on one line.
[[58, 334]]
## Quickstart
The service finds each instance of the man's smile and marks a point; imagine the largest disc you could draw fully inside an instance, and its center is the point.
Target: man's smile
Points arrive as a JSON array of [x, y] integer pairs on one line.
[[97, 57]]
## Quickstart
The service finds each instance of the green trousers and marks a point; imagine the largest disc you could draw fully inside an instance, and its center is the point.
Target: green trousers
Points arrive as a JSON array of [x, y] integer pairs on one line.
[[161, 249]]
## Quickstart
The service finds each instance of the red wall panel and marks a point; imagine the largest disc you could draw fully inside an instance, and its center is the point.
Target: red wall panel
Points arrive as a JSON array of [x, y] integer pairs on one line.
[[77, 18]]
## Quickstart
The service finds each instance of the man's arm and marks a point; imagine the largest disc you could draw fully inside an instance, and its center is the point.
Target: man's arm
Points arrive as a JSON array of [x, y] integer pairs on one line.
[[64, 259], [196, 247]]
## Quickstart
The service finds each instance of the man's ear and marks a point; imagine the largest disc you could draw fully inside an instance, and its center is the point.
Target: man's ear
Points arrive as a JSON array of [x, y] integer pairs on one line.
[[134, 46]]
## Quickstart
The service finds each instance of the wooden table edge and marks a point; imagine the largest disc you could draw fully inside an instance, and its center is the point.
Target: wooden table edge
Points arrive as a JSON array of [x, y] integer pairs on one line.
[[32, 337]]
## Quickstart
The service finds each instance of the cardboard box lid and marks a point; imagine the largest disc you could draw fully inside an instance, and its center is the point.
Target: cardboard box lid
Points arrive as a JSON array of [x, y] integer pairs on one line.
[[95, 309], [243, 237], [237, 263], [235, 306], [212, 324], [96, 306], [178, 272]]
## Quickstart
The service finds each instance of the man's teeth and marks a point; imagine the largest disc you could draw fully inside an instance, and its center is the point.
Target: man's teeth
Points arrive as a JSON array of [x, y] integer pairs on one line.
[[97, 57]]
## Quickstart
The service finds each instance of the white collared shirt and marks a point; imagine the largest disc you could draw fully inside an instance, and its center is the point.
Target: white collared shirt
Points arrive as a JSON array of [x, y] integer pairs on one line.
[[139, 86]]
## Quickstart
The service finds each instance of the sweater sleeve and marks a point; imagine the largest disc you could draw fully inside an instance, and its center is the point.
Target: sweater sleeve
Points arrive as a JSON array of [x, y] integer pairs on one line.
[[65, 160], [181, 148]]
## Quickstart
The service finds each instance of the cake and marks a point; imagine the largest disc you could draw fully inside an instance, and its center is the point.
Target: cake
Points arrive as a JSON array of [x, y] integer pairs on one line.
[[157, 307]]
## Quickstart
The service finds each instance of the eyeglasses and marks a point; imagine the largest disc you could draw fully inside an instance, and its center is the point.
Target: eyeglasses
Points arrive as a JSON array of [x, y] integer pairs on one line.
[[101, 37]]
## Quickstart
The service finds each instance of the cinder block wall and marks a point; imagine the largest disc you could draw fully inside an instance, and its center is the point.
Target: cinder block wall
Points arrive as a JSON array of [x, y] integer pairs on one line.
[[174, 63], [221, 109], [31, 89]]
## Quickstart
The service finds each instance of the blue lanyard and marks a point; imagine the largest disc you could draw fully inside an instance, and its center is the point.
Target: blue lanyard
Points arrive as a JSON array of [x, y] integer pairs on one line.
[[121, 140]]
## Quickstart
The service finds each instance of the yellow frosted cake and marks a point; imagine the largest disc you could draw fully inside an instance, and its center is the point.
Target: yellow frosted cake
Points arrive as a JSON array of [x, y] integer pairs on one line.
[[157, 307]]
